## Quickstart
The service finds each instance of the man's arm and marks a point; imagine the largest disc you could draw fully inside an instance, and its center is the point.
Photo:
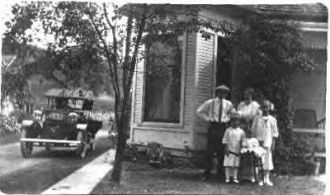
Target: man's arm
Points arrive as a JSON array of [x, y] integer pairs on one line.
[[203, 110], [254, 127]]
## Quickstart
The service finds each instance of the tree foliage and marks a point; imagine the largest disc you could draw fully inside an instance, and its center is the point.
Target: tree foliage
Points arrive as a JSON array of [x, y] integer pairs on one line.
[[75, 65], [264, 55], [108, 37]]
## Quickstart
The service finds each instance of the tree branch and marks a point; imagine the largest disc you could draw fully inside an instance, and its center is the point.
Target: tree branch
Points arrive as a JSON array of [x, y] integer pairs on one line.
[[127, 50], [137, 45], [115, 49], [108, 56], [134, 57], [58, 80]]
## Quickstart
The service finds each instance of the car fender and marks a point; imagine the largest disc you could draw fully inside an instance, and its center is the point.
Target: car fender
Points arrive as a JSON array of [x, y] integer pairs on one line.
[[32, 127], [27, 123]]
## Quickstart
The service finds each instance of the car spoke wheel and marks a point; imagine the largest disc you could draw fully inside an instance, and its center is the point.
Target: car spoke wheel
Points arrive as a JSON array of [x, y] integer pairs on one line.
[[92, 144], [26, 147]]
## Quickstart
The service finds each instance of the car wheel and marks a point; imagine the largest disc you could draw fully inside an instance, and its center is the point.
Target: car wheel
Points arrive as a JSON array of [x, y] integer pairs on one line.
[[93, 145], [81, 148], [26, 147]]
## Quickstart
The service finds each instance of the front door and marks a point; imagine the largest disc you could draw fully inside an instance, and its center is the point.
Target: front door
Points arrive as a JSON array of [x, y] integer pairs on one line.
[[224, 74]]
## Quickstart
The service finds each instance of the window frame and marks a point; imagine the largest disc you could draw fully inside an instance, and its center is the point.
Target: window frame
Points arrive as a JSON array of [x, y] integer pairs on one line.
[[180, 124]]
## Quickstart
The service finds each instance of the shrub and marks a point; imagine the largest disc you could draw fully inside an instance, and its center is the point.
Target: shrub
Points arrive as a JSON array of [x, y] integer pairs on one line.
[[293, 155], [154, 153], [134, 153], [264, 55], [8, 125]]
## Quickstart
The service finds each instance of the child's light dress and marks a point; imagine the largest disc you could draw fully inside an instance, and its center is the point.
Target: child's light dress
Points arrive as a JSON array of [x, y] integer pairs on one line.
[[264, 128], [233, 138]]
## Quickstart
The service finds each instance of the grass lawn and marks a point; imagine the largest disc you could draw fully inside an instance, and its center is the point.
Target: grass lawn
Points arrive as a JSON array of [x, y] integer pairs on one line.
[[138, 178]]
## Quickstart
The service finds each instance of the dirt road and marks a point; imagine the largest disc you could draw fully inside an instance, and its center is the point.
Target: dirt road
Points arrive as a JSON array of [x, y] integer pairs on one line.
[[44, 168]]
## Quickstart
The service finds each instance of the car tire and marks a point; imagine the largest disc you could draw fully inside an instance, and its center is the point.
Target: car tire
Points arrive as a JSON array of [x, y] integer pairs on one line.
[[26, 147], [81, 148], [93, 145]]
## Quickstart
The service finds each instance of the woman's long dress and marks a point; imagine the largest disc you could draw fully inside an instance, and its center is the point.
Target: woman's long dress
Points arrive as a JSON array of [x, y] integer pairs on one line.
[[247, 113]]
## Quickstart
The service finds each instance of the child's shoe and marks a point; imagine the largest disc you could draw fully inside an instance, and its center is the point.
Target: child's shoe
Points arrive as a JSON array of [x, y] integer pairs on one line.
[[235, 181], [261, 183], [227, 181], [269, 183]]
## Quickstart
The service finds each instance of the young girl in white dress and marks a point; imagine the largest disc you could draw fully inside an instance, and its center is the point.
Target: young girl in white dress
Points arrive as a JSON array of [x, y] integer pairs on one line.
[[264, 128], [233, 142]]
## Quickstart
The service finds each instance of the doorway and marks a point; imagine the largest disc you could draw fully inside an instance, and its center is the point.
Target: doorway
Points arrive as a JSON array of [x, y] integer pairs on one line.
[[224, 72]]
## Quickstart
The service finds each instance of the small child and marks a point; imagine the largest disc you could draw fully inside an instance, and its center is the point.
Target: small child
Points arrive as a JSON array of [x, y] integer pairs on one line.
[[264, 128], [232, 139]]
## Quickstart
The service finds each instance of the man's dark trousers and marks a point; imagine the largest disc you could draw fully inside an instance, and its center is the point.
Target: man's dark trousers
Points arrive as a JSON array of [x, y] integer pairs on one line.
[[215, 133]]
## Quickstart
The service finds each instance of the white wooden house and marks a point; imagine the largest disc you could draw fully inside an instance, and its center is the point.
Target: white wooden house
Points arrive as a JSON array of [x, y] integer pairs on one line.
[[172, 121]]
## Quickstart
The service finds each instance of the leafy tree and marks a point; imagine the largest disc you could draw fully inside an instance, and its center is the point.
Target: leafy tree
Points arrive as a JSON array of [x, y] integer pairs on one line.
[[264, 54], [106, 33]]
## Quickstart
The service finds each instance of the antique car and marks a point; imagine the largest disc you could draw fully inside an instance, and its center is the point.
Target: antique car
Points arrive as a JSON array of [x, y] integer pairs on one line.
[[67, 123]]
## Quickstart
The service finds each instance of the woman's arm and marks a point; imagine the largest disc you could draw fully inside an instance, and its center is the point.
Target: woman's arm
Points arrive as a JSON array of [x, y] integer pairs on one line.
[[273, 144], [253, 128]]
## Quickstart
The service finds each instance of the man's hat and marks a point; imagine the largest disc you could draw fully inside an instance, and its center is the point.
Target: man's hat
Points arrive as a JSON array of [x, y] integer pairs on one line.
[[222, 88]]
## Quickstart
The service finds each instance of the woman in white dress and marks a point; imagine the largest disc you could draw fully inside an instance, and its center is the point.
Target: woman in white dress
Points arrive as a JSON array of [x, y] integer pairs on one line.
[[248, 109]]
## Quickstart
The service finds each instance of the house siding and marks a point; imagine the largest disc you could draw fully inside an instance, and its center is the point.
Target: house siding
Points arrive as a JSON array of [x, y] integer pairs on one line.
[[308, 89], [189, 107], [138, 93]]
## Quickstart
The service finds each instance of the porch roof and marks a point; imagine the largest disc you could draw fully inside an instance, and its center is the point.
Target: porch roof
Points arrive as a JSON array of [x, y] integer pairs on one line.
[[315, 12]]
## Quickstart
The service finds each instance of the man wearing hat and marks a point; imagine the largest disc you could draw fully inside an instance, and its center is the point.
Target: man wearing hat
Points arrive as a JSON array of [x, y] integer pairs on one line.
[[217, 112]]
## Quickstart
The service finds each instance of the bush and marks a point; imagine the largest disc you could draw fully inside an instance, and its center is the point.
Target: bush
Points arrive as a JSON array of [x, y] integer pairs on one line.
[[8, 125], [154, 154], [293, 155]]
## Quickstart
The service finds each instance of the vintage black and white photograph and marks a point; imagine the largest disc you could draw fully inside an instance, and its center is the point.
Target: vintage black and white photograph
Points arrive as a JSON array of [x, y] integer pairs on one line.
[[119, 97]]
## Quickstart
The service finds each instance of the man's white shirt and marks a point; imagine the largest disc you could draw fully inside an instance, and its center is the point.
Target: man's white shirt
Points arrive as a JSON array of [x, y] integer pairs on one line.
[[209, 110]]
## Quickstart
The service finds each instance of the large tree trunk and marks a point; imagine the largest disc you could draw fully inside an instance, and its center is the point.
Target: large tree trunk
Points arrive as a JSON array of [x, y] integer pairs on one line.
[[122, 129], [119, 157]]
